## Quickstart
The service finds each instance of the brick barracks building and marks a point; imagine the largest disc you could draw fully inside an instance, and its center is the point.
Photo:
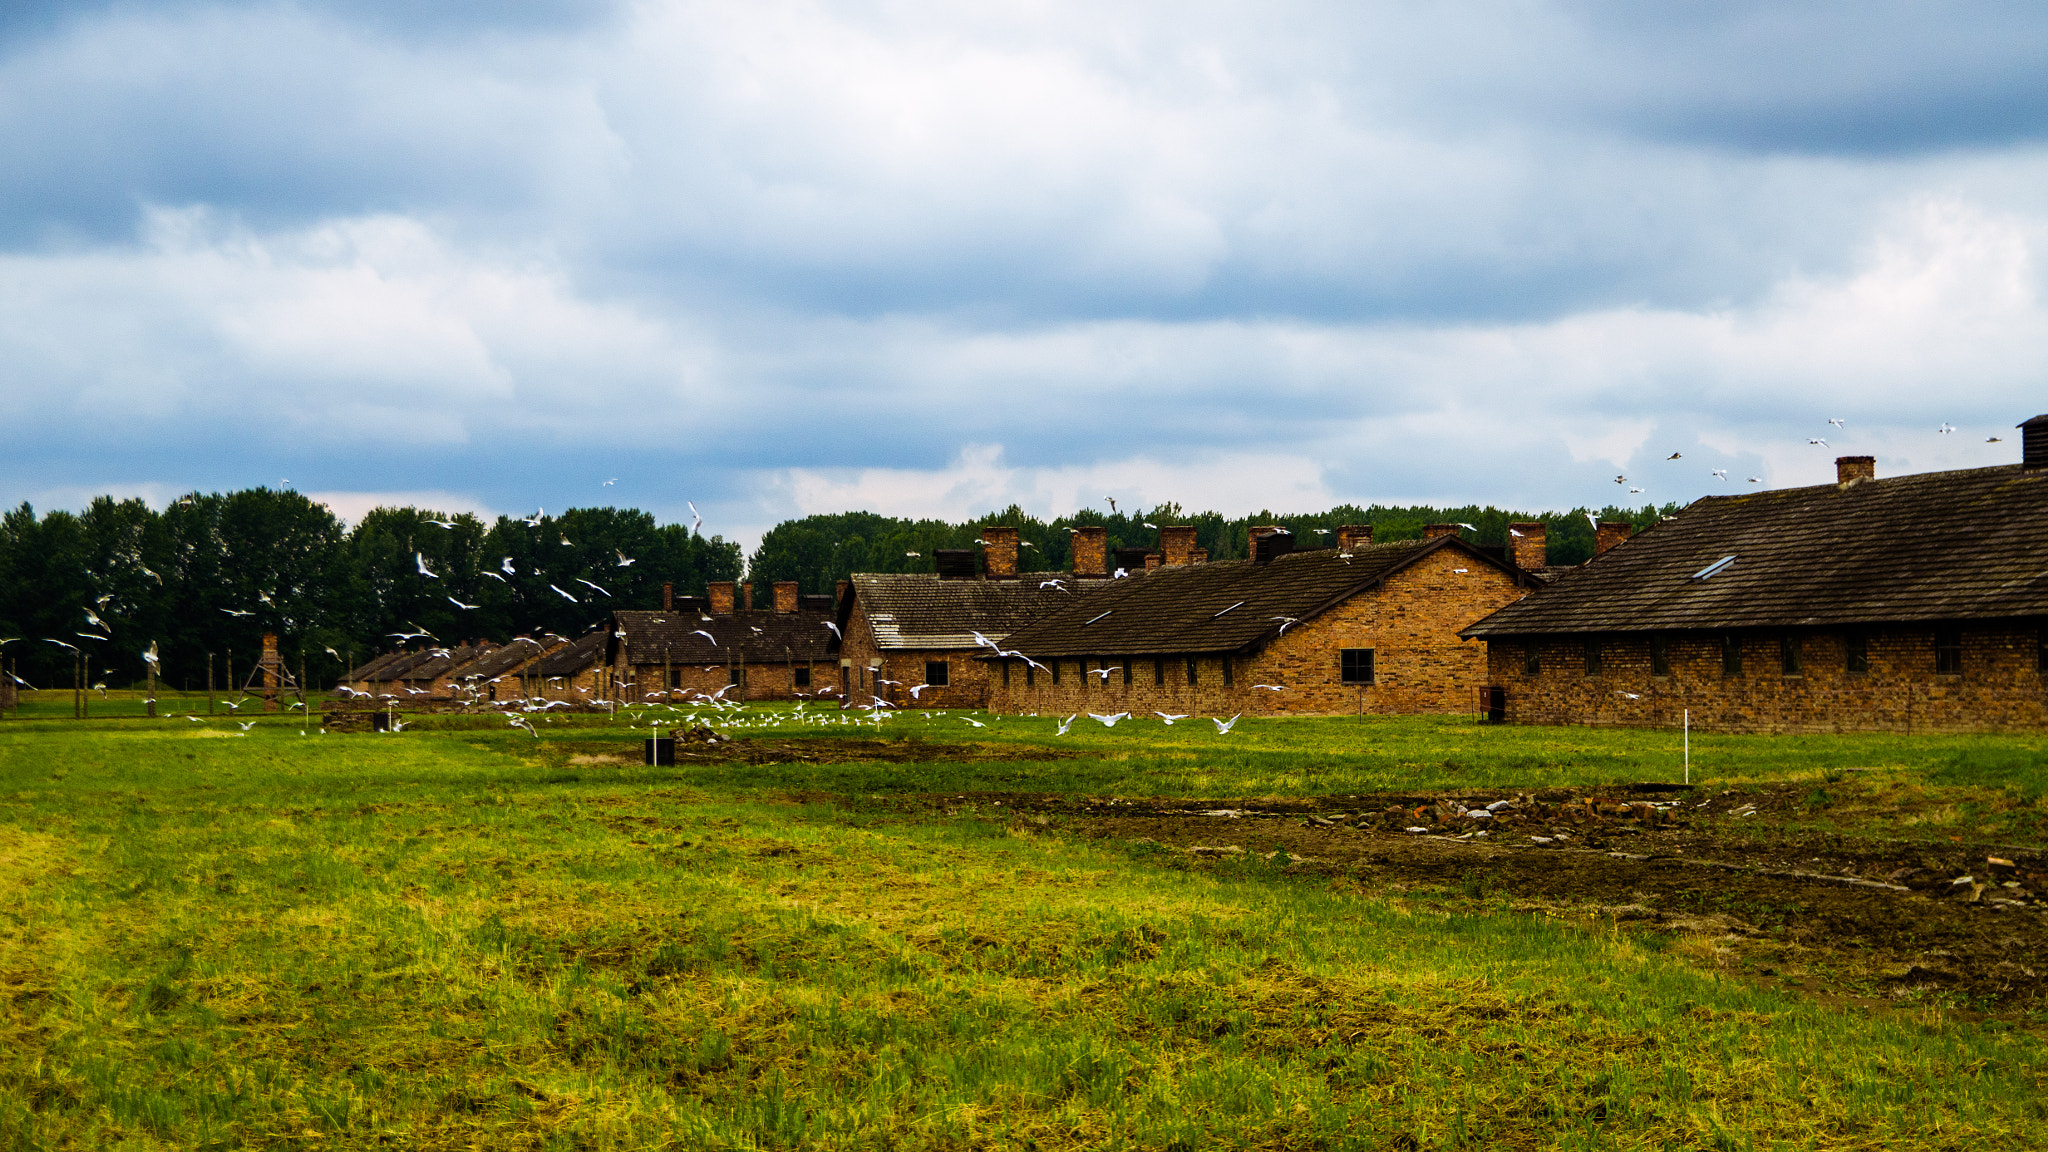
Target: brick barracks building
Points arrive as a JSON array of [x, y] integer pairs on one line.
[[1358, 628], [916, 630], [1915, 603], [721, 641]]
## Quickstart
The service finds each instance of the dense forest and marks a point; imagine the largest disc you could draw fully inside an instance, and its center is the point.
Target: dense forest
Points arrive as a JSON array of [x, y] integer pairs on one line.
[[205, 577]]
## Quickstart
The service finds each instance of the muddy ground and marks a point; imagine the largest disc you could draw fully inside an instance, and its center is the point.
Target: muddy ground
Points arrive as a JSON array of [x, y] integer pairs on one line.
[[1722, 878]]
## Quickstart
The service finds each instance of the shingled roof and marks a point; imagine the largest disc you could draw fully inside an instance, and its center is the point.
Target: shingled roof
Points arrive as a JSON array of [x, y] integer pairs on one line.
[[376, 664], [1226, 606], [756, 637], [920, 612], [505, 657], [440, 660], [1960, 545], [570, 659]]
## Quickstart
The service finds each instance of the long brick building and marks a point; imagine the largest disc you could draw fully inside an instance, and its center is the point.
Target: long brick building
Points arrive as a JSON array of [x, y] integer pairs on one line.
[[722, 643], [1914, 603], [1359, 628]]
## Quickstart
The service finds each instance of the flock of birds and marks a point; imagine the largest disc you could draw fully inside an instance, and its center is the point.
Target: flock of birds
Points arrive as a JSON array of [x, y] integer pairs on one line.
[[1835, 422]]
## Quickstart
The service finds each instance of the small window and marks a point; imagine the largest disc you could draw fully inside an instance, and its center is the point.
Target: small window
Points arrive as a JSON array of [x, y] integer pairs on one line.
[[1055, 666], [1731, 655], [1159, 670], [1948, 651], [1191, 670], [1006, 673], [1660, 655], [1127, 671], [1856, 652], [935, 673], [675, 677], [1532, 657], [801, 677], [1789, 661], [1592, 655], [739, 675], [1030, 676], [1226, 672], [1354, 665]]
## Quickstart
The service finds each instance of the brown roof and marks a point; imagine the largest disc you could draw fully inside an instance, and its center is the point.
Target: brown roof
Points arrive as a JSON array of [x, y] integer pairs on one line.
[[441, 660], [1225, 606], [919, 611], [504, 658], [571, 659], [378, 663], [1935, 546], [759, 637]]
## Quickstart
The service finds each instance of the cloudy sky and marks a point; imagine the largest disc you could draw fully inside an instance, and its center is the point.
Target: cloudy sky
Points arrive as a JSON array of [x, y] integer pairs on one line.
[[932, 258]]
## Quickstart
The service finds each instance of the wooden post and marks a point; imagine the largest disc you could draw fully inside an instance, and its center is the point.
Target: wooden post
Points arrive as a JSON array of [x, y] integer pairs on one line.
[[78, 711], [151, 668], [209, 683]]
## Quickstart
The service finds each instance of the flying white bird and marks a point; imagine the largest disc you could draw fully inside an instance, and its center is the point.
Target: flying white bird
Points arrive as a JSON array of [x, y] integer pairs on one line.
[[95, 621], [237, 612], [698, 516], [609, 483], [495, 576], [1991, 439], [1756, 479], [1108, 721], [1621, 479], [1468, 527], [625, 561], [981, 641], [565, 541], [1945, 429], [1272, 687], [1223, 727], [506, 567], [1104, 673], [710, 637], [835, 629], [1838, 422], [464, 607], [1066, 724], [1721, 474], [534, 520], [1816, 440], [424, 570], [249, 725], [565, 595], [916, 688], [1054, 583], [441, 523], [969, 719], [151, 655], [581, 580], [1170, 719], [1154, 527], [1675, 456], [907, 554]]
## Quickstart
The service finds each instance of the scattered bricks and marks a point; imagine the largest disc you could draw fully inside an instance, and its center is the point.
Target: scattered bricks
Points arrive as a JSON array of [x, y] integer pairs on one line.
[[1215, 850], [1999, 864], [701, 735]]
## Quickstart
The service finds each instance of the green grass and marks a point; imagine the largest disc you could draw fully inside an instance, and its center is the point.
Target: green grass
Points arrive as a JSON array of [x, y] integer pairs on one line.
[[461, 938]]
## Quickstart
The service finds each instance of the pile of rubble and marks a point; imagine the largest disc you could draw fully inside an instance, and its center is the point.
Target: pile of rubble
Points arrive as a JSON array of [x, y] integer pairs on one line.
[[1998, 881]]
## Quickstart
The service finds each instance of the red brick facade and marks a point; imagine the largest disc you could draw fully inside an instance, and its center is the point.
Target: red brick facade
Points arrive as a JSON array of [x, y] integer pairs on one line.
[[866, 667], [1410, 622], [1998, 683]]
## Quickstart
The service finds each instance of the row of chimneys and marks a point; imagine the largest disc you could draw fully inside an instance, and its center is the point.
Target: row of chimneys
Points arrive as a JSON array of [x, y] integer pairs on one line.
[[725, 593]]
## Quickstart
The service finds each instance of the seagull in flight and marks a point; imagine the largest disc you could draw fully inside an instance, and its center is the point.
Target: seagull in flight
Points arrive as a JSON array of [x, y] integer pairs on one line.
[[1272, 687], [1104, 673], [450, 524], [1170, 719], [913, 554], [1721, 474], [1154, 527], [495, 576], [1991, 440], [973, 721], [707, 636], [424, 570], [1756, 479], [1109, 721], [1286, 621], [1675, 456], [625, 561], [534, 520], [1066, 724], [1816, 440], [581, 580], [609, 483], [1054, 583], [1223, 727], [1838, 422], [464, 607], [506, 567], [1621, 479], [698, 516], [237, 612], [835, 629]]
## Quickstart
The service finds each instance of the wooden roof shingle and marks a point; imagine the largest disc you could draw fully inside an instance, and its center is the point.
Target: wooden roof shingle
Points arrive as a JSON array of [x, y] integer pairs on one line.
[[759, 637], [1957, 545], [917, 611]]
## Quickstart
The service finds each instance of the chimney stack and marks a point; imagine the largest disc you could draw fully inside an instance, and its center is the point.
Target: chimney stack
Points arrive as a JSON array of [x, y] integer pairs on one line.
[[1353, 537], [1091, 551], [1432, 531], [747, 596], [2034, 443], [721, 592], [668, 597], [1153, 560], [1850, 469], [839, 591], [1177, 541], [999, 551], [1199, 556], [785, 596], [1528, 547], [1270, 542], [1611, 533]]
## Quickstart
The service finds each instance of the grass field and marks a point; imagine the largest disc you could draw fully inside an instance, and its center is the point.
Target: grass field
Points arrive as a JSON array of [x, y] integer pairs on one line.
[[465, 936]]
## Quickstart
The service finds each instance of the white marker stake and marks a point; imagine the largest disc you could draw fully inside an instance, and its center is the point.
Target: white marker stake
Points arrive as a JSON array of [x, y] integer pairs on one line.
[[1687, 728]]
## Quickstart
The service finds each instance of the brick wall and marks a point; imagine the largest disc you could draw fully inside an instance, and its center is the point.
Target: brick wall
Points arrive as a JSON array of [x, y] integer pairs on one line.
[[1999, 687], [1410, 622], [967, 678]]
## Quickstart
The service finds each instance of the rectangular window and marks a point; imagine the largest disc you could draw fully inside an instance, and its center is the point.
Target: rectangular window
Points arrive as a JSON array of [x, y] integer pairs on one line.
[[1006, 673], [739, 675], [675, 677], [1159, 670], [1127, 671], [1731, 655], [1354, 665], [1660, 655], [1191, 670], [1030, 676], [1856, 652], [1532, 657], [1055, 666], [935, 673], [1789, 656], [801, 677], [1592, 655], [1227, 681], [1948, 651]]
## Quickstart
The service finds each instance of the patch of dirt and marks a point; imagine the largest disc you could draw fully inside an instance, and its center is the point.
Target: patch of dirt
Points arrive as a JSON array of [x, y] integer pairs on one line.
[[1723, 878]]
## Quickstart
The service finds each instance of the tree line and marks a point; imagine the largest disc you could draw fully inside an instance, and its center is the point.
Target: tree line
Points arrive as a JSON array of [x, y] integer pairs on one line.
[[204, 578], [207, 576]]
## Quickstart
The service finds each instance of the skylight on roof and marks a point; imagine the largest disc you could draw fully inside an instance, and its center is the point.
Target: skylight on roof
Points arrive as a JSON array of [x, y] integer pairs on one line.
[[1239, 604], [1713, 568]]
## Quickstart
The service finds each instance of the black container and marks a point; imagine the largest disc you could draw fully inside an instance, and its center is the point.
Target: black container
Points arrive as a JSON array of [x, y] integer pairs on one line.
[[380, 721], [661, 751]]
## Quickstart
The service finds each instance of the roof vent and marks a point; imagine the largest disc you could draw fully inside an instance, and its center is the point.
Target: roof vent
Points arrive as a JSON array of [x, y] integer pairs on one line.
[[2034, 453], [1713, 569], [1269, 544], [955, 563]]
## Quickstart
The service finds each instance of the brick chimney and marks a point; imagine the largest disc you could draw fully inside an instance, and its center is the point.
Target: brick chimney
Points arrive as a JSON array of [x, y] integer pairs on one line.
[[747, 596], [1269, 542], [1528, 544], [839, 591], [668, 597], [1176, 541], [1091, 551], [1352, 537], [1199, 556], [721, 597], [785, 596], [1850, 469], [1611, 533], [1432, 531], [1154, 560], [2034, 443], [999, 551]]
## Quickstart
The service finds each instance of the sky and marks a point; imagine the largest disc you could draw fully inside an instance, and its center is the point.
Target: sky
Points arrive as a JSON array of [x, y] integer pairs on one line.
[[767, 258]]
